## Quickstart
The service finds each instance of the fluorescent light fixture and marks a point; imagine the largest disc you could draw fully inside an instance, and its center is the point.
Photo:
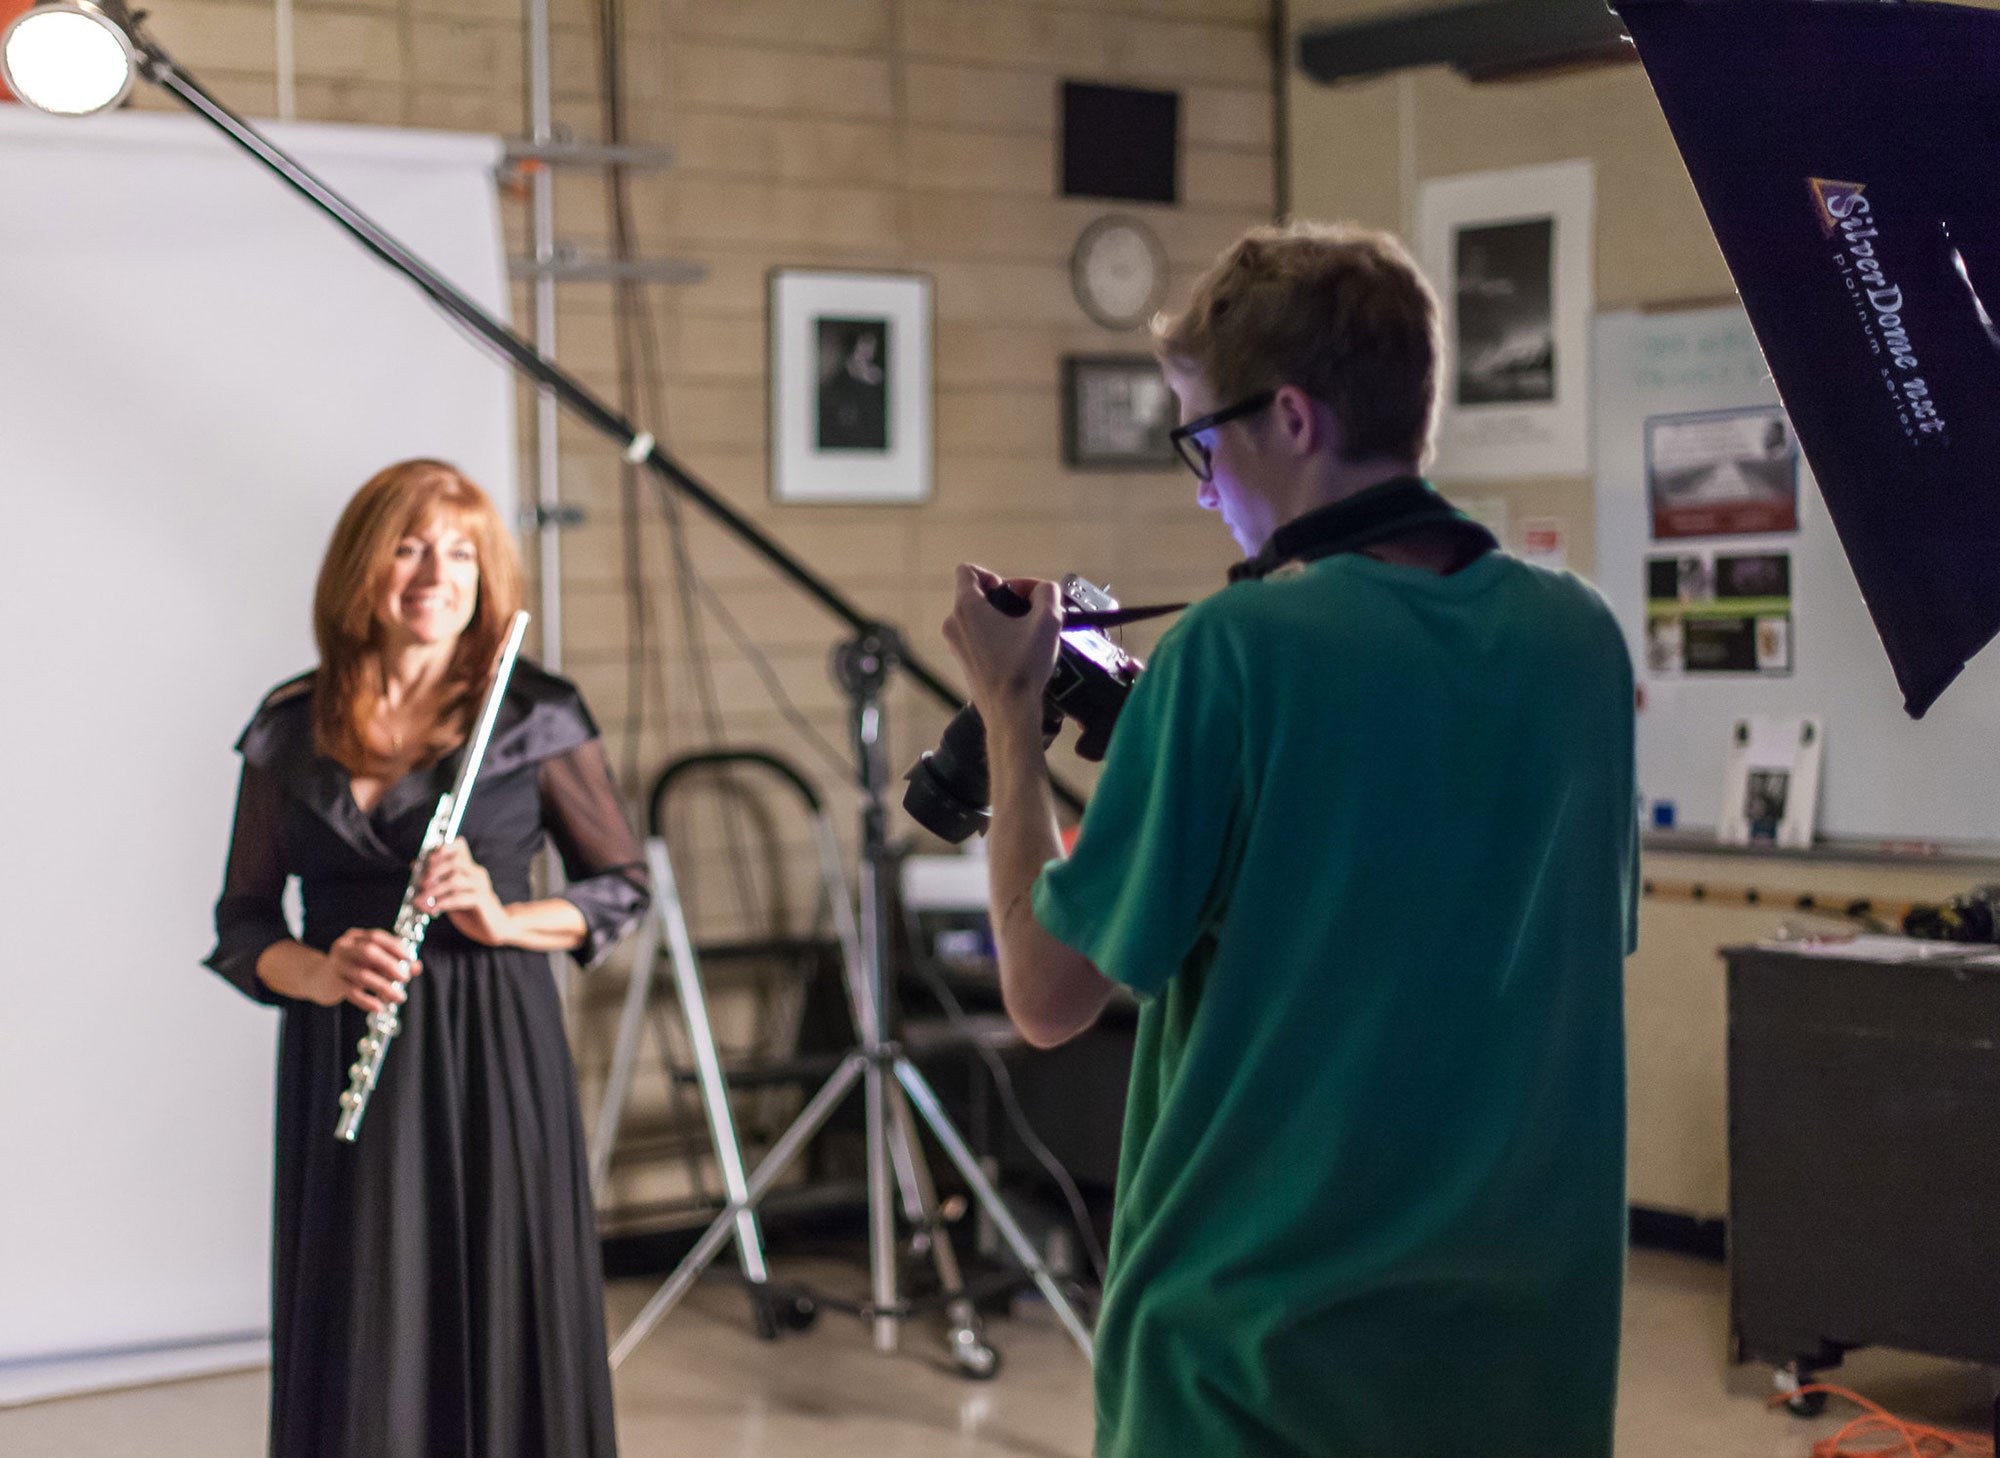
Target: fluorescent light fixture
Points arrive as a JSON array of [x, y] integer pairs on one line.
[[68, 58]]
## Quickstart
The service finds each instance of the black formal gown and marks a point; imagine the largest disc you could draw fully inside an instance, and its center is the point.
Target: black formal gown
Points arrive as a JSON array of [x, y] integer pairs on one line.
[[436, 1288]]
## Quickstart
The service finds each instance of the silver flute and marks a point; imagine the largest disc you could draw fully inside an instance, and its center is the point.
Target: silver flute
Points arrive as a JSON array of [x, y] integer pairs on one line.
[[411, 923]]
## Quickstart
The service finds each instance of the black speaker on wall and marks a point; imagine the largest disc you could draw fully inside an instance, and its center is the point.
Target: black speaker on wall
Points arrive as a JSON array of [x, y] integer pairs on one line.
[[1120, 142]]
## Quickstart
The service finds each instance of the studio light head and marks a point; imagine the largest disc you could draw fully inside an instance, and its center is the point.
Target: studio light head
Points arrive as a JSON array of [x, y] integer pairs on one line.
[[70, 57]]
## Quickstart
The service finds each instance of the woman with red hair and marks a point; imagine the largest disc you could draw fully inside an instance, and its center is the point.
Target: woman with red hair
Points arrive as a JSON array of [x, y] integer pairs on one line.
[[436, 1289]]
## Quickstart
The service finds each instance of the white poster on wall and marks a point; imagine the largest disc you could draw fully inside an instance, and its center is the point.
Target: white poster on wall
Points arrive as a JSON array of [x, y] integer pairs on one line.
[[1510, 253]]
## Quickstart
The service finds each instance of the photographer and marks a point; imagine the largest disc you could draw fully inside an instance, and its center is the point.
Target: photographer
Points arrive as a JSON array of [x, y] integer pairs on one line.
[[1364, 847]]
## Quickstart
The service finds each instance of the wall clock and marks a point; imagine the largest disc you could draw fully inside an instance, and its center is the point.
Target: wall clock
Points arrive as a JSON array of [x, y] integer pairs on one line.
[[1118, 271]]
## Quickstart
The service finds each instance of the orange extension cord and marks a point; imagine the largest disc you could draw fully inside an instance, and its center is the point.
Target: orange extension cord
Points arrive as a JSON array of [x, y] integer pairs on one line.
[[1901, 1438]]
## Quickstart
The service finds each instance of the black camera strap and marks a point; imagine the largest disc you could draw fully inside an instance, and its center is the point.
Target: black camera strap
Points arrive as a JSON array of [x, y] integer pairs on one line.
[[1119, 617], [1392, 509]]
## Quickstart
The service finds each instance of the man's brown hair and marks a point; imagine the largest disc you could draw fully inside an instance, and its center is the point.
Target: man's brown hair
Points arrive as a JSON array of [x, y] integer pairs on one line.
[[1337, 310]]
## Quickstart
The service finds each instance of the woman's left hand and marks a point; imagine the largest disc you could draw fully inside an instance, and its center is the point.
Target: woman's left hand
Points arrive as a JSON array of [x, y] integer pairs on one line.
[[457, 886]]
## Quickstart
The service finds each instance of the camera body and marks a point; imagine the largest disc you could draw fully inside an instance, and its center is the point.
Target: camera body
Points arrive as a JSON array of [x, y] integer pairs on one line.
[[1093, 675], [950, 788]]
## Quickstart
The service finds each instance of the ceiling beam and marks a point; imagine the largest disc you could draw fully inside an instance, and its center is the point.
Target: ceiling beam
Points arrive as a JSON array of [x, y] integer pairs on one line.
[[1484, 40]]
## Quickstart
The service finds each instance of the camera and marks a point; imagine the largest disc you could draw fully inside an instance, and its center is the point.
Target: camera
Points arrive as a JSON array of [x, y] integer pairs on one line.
[[950, 790]]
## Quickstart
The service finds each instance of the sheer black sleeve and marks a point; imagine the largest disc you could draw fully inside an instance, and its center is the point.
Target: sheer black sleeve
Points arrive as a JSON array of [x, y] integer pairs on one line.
[[600, 855], [250, 915]]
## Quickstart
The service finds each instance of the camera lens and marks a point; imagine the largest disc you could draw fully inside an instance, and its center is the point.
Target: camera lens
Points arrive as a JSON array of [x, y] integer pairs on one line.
[[949, 787]]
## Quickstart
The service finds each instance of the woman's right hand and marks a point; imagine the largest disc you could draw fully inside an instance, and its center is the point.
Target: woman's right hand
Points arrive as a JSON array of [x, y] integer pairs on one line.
[[364, 966]]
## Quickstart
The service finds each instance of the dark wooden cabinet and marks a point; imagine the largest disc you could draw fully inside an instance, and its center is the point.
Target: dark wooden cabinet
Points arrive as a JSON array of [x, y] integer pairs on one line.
[[1864, 1155]]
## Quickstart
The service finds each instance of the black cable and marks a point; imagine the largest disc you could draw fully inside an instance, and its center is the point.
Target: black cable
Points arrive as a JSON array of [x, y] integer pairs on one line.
[[640, 376], [837, 759], [639, 612], [1010, 1102], [638, 336], [688, 580]]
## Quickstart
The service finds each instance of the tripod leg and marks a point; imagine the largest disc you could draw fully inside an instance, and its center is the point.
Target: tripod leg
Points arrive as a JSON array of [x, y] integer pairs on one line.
[[881, 1211], [708, 1065], [920, 1203], [674, 1065], [919, 1200], [927, 1104], [963, 1338], [631, 1026], [786, 1150]]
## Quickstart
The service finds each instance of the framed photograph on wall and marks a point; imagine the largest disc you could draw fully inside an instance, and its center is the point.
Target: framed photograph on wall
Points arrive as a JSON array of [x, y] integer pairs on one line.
[[850, 360], [1510, 254], [1117, 410]]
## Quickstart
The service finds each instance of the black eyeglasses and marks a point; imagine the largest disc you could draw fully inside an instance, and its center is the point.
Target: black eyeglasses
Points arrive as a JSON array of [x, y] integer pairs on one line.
[[1187, 441]]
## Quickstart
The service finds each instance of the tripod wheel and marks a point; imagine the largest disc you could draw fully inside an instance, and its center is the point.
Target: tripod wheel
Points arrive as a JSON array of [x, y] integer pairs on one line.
[[779, 1309], [791, 1308], [1788, 1379], [763, 1314], [971, 1354], [1806, 1404]]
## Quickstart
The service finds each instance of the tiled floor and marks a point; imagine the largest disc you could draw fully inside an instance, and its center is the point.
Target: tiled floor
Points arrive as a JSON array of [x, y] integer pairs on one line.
[[702, 1385]]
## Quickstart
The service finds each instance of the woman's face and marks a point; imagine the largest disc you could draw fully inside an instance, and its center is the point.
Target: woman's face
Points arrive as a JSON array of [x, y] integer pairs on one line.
[[433, 586]]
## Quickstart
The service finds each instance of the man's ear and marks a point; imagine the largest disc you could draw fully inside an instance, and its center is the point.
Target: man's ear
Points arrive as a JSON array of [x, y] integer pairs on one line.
[[1306, 424]]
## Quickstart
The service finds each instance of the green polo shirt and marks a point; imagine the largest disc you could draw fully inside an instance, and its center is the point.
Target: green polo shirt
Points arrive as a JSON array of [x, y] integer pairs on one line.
[[1365, 846]]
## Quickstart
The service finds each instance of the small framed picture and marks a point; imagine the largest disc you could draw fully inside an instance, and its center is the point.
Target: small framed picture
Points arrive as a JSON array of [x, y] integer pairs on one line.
[[850, 359], [1117, 410]]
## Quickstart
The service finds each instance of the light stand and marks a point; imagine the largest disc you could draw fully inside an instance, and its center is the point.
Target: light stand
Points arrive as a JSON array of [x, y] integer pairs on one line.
[[862, 665]]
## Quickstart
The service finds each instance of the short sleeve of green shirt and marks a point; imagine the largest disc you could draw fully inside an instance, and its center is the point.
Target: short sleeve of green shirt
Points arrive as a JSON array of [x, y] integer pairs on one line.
[[1148, 874]]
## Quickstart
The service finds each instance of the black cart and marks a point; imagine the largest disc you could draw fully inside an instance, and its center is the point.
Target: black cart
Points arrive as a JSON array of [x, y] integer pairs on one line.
[[1864, 1154]]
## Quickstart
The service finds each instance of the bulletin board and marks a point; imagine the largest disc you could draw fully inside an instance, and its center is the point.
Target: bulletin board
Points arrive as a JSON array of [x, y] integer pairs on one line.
[[1735, 605]]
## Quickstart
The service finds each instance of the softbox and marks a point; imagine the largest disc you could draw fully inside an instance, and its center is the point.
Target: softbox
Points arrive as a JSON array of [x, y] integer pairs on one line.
[[1847, 153]]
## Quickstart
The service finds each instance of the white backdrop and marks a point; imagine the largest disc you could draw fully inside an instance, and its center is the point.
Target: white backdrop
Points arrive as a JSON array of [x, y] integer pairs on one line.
[[196, 370]]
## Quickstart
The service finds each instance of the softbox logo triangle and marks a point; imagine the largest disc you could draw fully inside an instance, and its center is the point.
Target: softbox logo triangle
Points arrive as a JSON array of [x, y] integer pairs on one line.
[[1835, 200]]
